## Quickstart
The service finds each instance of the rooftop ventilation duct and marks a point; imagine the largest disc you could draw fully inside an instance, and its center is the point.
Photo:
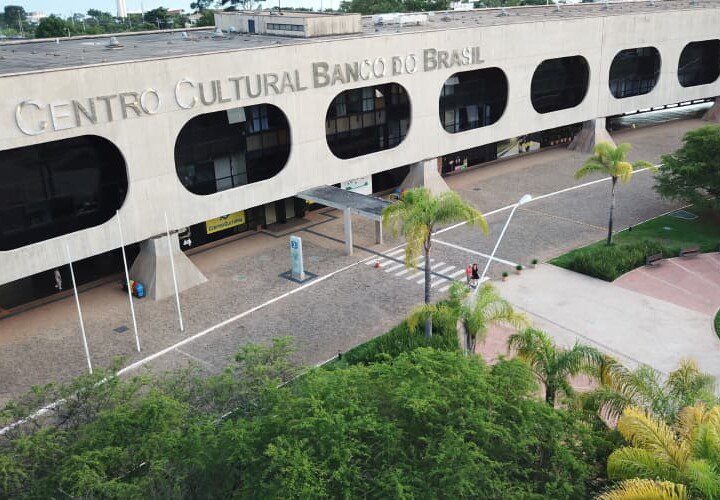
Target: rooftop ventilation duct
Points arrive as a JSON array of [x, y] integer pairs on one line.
[[232, 29], [218, 33], [184, 35], [114, 43]]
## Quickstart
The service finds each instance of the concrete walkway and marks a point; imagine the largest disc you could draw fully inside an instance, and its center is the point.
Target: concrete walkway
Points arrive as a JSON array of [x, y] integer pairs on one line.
[[633, 327]]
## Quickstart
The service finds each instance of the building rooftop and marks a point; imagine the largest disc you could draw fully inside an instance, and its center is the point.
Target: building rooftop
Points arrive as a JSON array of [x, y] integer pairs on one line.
[[31, 56]]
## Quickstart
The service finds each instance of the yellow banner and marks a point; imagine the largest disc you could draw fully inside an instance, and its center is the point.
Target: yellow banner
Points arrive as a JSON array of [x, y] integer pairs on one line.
[[225, 222]]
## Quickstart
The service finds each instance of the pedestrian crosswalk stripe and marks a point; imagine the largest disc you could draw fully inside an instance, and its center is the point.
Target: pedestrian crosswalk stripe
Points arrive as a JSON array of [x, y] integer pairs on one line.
[[395, 252], [437, 281], [438, 265], [396, 266], [420, 272], [404, 271], [457, 273], [443, 271]]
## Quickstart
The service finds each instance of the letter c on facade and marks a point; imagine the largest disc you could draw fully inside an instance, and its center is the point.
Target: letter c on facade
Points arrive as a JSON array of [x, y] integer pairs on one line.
[[18, 118], [178, 94]]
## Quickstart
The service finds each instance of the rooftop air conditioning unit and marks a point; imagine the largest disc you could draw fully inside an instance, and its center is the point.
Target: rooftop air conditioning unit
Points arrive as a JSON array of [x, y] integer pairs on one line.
[[114, 44]]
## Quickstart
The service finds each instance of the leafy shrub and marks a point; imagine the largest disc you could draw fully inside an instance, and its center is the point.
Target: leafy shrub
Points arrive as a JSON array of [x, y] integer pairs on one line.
[[402, 339], [610, 262], [717, 323]]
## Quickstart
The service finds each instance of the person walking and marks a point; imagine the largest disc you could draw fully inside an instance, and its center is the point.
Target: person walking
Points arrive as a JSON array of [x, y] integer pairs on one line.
[[58, 280], [475, 276]]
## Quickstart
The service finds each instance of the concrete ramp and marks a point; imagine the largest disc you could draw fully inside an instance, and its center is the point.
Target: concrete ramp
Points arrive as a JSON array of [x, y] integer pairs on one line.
[[632, 327]]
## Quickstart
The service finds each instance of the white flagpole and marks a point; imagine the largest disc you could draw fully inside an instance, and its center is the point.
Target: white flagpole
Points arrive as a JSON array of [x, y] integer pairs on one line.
[[127, 281], [77, 303], [172, 268]]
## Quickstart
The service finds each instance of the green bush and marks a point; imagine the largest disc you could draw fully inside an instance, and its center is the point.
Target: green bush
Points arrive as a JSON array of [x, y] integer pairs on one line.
[[402, 339], [610, 262], [717, 323]]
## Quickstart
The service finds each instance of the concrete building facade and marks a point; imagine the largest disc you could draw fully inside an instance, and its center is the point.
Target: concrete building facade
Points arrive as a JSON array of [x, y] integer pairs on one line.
[[135, 106]]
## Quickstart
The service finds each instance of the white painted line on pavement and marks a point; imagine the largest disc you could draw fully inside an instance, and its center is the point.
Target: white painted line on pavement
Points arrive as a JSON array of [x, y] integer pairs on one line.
[[436, 282], [423, 279], [443, 271], [539, 197], [396, 266], [458, 247], [404, 271], [394, 252], [456, 273]]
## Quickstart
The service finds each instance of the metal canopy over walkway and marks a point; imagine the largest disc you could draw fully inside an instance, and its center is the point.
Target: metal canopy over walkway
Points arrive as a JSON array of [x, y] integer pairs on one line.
[[350, 203]]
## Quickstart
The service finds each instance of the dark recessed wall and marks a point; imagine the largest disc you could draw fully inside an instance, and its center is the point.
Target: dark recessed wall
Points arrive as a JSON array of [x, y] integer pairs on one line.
[[559, 84], [473, 99], [366, 120], [56, 188], [227, 149], [634, 72], [699, 63]]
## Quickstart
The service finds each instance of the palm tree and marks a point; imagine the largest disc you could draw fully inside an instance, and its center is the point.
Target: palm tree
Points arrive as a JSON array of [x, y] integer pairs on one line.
[[612, 161], [553, 366], [416, 215], [483, 310], [666, 462], [644, 388]]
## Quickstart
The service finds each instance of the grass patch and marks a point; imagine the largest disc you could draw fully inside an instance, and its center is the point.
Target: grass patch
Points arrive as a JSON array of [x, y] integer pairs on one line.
[[717, 323], [673, 233], [666, 235]]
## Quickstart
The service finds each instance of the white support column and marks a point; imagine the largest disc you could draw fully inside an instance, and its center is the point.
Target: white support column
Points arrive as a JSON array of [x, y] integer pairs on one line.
[[378, 232], [713, 114], [152, 268], [426, 174], [593, 132], [347, 220]]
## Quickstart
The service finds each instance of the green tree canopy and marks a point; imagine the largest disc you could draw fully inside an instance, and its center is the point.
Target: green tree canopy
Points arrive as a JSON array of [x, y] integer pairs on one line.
[[13, 15], [51, 27], [201, 5], [427, 424], [159, 16], [367, 7], [692, 173]]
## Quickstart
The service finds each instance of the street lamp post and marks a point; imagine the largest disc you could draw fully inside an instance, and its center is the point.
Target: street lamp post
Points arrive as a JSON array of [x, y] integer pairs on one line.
[[525, 199]]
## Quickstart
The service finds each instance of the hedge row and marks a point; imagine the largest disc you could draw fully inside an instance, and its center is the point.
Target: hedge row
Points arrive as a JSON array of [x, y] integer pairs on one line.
[[402, 339], [610, 262]]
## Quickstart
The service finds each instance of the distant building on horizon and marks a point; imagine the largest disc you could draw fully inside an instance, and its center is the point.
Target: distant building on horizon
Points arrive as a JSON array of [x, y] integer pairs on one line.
[[35, 17]]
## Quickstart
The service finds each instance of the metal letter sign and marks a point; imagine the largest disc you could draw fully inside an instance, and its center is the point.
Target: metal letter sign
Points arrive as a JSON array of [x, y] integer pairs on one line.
[[298, 270]]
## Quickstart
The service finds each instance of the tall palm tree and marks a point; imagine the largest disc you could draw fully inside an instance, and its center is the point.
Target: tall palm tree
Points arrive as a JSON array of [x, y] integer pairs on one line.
[[667, 462], [645, 388], [612, 161], [553, 366], [416, 215], [483, 310]]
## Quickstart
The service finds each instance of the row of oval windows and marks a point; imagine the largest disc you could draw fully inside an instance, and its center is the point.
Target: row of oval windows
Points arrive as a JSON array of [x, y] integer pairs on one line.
[[64, 186]]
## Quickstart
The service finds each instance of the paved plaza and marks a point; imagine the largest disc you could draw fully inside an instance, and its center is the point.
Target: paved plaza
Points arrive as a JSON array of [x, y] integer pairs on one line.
[[351, 301]]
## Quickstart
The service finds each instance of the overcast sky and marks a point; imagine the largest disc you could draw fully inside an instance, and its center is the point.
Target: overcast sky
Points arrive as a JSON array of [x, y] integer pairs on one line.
[[68, 7]]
